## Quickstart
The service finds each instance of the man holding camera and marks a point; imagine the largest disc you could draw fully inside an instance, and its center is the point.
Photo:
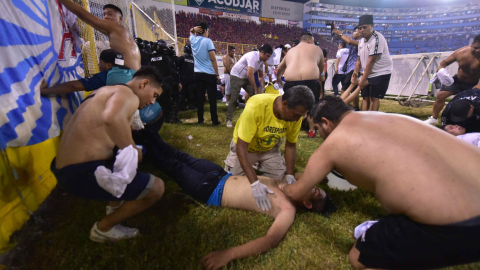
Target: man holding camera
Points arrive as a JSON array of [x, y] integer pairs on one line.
[[349, 65]]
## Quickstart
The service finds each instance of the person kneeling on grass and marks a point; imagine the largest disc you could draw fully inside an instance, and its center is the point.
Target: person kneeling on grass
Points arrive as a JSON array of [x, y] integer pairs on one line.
[[210, 184], [431, 192], [85, 159]]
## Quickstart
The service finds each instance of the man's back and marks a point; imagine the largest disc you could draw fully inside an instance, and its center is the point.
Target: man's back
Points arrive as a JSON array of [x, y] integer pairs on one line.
[[85, 138], [122, 41], [414, 169], [302, 62]]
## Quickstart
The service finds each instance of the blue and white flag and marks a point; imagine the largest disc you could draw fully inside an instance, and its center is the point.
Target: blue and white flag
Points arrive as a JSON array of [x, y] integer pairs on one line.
[[36, 44]]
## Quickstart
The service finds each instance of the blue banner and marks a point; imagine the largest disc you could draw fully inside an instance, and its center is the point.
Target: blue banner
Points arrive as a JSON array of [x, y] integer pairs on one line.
[[247, 7], [36, 44]]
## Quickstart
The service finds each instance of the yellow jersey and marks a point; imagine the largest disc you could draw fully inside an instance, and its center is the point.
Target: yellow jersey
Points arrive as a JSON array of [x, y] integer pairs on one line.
[[259, 127]]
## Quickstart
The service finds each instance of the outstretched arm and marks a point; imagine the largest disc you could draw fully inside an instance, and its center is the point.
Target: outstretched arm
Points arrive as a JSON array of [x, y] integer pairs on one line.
[[63, 88], [283, 222], [104, 26], [318, 167]]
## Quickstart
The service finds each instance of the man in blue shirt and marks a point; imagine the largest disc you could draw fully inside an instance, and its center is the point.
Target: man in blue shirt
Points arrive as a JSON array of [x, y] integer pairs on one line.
[[112, 71], [349, 65], [206, 70]]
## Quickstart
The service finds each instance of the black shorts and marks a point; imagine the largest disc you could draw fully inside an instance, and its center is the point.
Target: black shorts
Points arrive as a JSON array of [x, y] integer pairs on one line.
[[314, 85], [377, 86], [348, 81], [457, 86], [397, 242], [80, 180]]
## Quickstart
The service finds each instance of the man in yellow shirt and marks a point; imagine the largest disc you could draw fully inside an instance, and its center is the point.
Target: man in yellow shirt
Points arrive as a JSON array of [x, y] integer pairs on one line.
[[258, 134]]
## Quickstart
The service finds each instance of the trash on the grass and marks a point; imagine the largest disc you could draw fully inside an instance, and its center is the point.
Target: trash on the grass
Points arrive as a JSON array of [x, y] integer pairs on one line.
[[190, 137], [198, 144]]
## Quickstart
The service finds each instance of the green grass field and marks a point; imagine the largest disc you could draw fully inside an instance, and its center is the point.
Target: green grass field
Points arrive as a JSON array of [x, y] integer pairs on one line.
[[177, 231]]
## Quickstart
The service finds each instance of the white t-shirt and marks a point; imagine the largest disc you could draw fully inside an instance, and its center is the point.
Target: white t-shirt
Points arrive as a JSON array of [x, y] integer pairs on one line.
[[471, 138], [376, 45], [251, 59], [343, 54]]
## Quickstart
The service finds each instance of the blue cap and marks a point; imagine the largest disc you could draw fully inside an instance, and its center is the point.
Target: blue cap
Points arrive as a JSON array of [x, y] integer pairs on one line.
[[150, 112]]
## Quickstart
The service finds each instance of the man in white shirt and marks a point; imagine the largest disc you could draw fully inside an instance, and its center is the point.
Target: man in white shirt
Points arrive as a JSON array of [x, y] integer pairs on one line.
[[342, 55], [242, 75], [376, 62]]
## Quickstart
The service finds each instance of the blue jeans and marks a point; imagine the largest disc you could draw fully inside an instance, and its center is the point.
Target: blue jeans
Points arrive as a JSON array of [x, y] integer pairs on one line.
[[337, 78], [197, 177]]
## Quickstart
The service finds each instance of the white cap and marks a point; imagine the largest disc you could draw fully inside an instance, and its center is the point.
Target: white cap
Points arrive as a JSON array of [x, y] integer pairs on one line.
[[288, 46]]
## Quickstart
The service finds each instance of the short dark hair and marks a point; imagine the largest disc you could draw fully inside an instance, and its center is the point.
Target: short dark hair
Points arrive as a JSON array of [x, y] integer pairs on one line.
[[355, 28], [344, 44], [117, 9], [325, 207], [231, 48], [266, 48], [299, 95], [151, 73], [330, 107], [476, 39]]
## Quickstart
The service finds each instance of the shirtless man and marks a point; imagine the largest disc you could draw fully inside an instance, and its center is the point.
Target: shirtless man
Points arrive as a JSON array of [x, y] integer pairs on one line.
[[468, 59], [100, 123], [208, 183], [303, 65], [228, 63], [431, 192], [120, 38]]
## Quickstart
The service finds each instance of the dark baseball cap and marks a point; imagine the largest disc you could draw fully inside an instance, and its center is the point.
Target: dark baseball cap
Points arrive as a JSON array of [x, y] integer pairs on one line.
[[113, 7], [111, 56], [365, 19], [459, 110]]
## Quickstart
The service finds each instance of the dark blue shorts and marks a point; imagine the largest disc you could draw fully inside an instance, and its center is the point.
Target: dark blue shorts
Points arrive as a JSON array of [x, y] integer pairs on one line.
[[80, 180]]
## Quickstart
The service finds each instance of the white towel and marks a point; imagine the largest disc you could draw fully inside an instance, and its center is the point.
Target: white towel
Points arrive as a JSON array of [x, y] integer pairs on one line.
[[124, 170], [471, 138], [443, 76], [362, 228]]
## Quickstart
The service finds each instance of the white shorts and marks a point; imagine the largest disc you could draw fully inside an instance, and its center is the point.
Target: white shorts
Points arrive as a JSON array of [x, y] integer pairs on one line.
[[227, 83]]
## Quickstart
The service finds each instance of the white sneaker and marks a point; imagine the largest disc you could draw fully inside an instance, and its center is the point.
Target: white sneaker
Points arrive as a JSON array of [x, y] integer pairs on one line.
[[229, 123], [117, 233], [111, 209], [431, 120], [226, 103]]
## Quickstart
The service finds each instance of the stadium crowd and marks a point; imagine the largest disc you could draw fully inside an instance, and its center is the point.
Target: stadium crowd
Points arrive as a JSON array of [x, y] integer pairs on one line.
[[238, 31]]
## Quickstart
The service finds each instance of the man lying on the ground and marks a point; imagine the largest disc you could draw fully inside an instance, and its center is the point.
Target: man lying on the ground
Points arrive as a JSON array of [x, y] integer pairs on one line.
[[102, 122], [431, 192], [120, 38], [463, 110], [208, 183]]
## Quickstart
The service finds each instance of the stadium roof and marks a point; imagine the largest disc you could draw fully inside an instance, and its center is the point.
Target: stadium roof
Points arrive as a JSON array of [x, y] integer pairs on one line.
[[391, 3]]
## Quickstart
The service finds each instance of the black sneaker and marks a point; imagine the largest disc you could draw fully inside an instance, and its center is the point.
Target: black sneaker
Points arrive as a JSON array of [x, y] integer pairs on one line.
[[356, 109], [200, 123], [216, 123]]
